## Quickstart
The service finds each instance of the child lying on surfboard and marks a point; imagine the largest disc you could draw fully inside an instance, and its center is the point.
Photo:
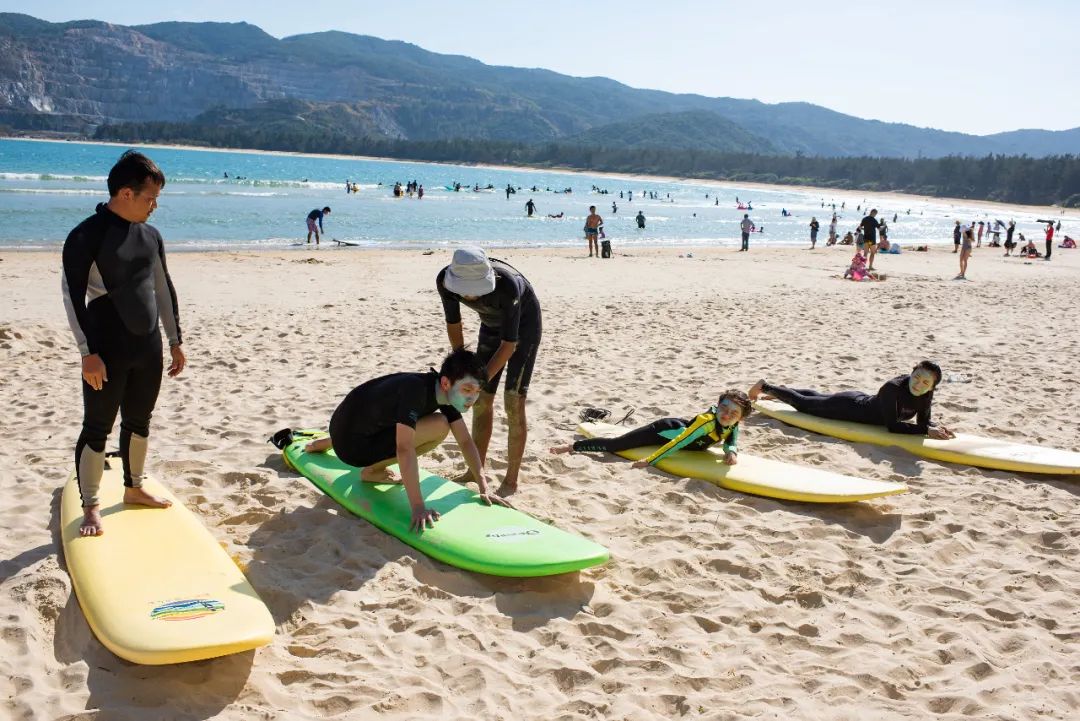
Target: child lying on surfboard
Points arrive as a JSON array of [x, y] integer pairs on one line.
[[719, 424]]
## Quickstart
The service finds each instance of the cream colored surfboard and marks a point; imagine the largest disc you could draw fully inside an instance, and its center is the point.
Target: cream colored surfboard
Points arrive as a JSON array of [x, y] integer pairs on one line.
[[968, 450], [759, 476], [157, 588]]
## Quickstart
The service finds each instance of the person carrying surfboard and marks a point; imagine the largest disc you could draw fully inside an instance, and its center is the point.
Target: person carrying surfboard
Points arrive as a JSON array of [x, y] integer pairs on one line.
[[116, 287], [509, 339], [896, 403], [718, 424], [397, 417]]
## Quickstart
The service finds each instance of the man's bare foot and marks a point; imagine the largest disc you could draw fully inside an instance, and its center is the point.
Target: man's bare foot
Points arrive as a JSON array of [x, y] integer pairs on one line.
[[91, 524], [139, 497], [559, 450], [379, 475], [755, 390], [508, 488], [319, 445]]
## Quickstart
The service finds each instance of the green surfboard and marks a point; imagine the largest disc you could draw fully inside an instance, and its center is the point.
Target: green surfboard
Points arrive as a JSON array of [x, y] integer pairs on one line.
[[487, 539]]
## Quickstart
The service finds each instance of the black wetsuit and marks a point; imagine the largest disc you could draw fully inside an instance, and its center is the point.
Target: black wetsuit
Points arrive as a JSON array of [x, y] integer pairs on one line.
[[116, 285], [509, 313], [870, 227], [890, 407], [364, 426], [671, 434]]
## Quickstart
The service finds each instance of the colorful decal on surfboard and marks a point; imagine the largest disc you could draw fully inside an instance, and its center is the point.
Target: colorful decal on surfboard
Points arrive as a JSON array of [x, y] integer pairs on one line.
[[186, 610]]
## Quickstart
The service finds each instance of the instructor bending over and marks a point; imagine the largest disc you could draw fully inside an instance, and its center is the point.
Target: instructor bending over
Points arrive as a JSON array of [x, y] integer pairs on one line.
[[510, 330]]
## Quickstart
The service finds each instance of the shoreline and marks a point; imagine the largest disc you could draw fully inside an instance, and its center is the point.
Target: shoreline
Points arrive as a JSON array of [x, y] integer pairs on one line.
[[885, 194]]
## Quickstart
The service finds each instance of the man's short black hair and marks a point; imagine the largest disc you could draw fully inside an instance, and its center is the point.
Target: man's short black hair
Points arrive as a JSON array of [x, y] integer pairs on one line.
[[933, 368], [326, 209], [461, 363], [132, 170]]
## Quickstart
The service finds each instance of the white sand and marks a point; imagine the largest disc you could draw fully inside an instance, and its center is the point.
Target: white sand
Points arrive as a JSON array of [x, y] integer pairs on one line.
[[956, 599]]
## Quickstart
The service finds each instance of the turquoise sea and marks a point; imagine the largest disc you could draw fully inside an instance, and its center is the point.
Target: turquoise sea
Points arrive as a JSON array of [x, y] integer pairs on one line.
[[46, 188]]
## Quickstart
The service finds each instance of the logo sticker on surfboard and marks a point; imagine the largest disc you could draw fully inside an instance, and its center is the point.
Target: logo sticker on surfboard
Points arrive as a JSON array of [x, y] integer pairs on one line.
[[511, 534], [186, 610]]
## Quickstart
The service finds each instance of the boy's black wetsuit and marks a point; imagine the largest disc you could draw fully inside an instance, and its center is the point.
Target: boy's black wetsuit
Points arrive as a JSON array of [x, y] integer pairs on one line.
[[672, 434], [364, 426], [511, 313], [116, 286], [890, 407]]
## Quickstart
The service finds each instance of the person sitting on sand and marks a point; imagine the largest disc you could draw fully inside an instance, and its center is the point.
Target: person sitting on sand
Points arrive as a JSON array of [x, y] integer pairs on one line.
[[1029, 250], [718, 424], [848, 239], [1067, 242], [397, 417], [898, 401]]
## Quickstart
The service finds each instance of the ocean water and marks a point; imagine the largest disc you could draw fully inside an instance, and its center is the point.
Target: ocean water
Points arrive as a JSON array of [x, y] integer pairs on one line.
[[46, 188]]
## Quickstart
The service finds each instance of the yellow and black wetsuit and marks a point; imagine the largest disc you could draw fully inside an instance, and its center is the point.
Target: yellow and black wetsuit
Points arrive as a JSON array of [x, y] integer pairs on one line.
[[673, 434]]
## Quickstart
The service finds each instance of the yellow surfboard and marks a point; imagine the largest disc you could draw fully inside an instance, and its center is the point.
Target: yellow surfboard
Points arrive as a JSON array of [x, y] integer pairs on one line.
[[967, 450], [759, 476], [157, 588]]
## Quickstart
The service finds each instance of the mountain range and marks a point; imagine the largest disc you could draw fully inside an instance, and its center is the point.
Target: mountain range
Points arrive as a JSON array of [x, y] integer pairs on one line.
[[72, 77]]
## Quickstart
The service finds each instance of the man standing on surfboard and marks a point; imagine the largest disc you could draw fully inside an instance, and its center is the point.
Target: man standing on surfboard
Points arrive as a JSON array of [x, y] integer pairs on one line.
[[510, 331], [397, 417], [116, 286]]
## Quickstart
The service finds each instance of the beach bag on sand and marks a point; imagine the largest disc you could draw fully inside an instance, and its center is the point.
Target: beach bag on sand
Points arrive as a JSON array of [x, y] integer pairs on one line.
[[605, 248]]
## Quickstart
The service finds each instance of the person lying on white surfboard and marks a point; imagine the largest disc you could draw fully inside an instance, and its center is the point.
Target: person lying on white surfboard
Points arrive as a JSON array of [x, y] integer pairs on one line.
[[719, 424], [397, 417], [902, 404]]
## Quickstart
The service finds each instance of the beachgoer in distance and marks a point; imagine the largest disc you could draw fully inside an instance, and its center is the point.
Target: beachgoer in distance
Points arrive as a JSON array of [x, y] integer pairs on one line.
[[641, 220], [747, 227], [957, 234], [1049, 240], [312, 217], [982, 227], [718, 424], [614, 209], [896, 403], [1009, 243], [592, 231], [116, 287], [832, 231], [509, 338], [530, 208], [397, 417], [814, 225], [869, 226], [967, 234]]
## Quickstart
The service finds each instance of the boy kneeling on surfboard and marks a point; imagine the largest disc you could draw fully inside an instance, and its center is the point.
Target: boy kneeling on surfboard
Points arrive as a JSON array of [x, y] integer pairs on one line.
[[397, 417]]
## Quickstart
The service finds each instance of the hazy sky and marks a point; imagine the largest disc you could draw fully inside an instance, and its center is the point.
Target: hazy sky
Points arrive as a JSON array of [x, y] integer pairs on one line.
[[975, 67]]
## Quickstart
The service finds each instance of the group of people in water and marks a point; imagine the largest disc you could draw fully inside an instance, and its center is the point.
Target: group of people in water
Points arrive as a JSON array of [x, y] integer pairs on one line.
[[119, 295]]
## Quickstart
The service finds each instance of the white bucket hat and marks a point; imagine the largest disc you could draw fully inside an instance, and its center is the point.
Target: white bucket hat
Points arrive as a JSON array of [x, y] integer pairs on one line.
[[470, 273]]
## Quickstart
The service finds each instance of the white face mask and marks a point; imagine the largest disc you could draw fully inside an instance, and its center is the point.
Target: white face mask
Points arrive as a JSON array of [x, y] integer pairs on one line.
[[921, 382], [462, 400]]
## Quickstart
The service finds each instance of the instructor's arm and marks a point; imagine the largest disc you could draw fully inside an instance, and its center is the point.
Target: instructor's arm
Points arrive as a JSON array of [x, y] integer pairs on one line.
[[506, 349], [457, 337], [422, 517], [472, 459]]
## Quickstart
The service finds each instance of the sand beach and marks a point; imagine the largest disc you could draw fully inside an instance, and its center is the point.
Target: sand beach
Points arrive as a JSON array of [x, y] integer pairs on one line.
[[957, 599]]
